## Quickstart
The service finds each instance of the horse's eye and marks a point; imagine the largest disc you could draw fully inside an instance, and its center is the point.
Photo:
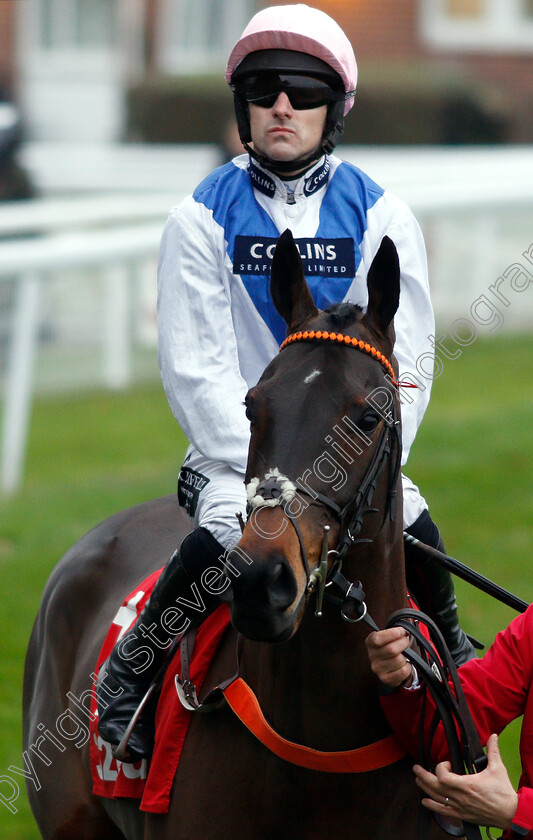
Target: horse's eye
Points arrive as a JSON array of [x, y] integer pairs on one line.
[[248, 411], [368, 421]]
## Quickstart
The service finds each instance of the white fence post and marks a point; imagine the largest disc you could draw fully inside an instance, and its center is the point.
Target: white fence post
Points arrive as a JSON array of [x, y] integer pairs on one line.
[[19, 381]]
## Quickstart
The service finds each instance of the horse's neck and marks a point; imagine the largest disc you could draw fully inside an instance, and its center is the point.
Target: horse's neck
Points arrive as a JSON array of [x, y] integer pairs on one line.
[[317, 688]]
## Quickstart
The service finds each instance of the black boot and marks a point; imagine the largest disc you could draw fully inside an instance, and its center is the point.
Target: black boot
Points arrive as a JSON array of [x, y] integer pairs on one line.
[[125, 677], [432, 586]]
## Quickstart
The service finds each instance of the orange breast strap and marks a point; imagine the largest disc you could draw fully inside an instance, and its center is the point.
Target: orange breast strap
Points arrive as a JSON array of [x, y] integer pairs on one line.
[[245, 704]]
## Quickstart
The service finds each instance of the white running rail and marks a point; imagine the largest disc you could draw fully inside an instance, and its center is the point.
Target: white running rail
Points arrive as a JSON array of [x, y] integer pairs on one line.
[[103, 211]]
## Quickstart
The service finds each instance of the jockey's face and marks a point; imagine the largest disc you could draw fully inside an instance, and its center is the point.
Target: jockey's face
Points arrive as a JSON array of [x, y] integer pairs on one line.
[[286, 134]]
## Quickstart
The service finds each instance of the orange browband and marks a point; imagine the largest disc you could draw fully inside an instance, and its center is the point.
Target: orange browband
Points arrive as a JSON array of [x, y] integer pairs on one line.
[[347, 340]]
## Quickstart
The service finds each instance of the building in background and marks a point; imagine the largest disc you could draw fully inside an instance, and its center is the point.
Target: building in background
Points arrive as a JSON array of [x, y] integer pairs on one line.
[[451, 71], [70, 63]]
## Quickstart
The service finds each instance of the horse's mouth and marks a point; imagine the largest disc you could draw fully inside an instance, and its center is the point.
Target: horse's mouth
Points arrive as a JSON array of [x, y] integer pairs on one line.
[[263, 621], [263, 628]]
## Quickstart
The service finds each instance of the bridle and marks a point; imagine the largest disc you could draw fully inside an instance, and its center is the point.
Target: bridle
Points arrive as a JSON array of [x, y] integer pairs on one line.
[[347, 341], [350, 516]]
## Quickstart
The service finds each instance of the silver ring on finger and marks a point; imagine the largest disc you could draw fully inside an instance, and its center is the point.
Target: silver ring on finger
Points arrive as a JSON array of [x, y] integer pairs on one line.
[[446, 801]]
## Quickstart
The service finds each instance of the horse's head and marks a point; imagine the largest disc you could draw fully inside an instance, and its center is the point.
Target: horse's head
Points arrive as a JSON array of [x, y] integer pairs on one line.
[[323, 424]]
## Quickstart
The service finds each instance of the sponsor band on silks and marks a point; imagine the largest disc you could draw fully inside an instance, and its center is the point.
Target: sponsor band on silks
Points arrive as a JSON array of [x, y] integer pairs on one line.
[[320, 257]]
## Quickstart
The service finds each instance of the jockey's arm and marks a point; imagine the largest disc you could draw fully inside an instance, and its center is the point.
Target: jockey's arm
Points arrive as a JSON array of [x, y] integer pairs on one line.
[[197, 347]]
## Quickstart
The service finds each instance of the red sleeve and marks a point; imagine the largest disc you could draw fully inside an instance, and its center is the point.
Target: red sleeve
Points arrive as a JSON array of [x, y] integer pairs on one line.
[[496, 689], [524, 811]]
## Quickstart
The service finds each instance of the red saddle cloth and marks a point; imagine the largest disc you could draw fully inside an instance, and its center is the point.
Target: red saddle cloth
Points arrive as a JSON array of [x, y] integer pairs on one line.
[[151, 781]]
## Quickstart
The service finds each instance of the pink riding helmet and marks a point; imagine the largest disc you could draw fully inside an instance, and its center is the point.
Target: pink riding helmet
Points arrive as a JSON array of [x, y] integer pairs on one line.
[[302, 29]]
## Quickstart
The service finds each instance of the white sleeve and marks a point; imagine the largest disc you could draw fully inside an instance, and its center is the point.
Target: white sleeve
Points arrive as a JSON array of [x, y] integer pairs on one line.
[[414, 323], [197, 348]]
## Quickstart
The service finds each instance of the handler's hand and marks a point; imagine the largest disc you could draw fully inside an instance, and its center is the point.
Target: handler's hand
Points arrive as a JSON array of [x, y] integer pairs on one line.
[[486, 798], [385, 649]]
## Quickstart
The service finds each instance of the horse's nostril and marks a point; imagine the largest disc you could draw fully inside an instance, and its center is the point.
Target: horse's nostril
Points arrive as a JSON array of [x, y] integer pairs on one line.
[[263, 582], [282, 588], [275, 572]]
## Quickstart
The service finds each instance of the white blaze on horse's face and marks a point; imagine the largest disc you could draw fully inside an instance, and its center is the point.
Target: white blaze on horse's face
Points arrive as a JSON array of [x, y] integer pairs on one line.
[[287, 487], [312, 375]]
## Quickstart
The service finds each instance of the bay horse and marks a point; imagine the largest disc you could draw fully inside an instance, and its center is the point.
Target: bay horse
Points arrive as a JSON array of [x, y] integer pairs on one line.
[[323, 460]]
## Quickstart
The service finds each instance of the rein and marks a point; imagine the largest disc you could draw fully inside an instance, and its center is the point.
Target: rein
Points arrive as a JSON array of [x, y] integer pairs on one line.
[[437, 670]]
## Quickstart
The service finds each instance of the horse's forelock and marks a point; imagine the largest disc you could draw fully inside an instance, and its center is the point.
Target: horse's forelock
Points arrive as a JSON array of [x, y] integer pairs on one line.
[[342, 315]]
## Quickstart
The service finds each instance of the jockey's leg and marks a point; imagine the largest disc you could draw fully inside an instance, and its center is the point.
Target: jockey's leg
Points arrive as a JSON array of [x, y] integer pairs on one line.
[[124, 678], [214, 497], [430, 583]]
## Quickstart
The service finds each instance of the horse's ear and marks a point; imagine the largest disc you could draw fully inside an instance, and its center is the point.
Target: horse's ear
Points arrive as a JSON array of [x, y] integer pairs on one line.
[[288, 285], [383, 283]]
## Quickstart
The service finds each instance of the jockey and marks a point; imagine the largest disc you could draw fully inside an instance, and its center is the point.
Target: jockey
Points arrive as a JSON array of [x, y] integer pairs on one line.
[[293, 74]]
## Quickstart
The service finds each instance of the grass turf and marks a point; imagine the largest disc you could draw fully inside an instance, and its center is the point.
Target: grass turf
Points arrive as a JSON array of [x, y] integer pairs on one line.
[[91, 456]]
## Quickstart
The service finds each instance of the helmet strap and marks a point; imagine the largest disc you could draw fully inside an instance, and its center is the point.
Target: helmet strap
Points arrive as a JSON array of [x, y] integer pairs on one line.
[[334, 126]]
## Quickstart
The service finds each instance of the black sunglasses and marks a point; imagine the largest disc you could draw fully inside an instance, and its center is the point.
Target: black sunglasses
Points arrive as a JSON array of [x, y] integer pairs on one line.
[[304, 92]]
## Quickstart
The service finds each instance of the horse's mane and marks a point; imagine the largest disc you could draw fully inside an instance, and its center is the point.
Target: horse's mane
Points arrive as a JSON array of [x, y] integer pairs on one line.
[[344, 314]]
